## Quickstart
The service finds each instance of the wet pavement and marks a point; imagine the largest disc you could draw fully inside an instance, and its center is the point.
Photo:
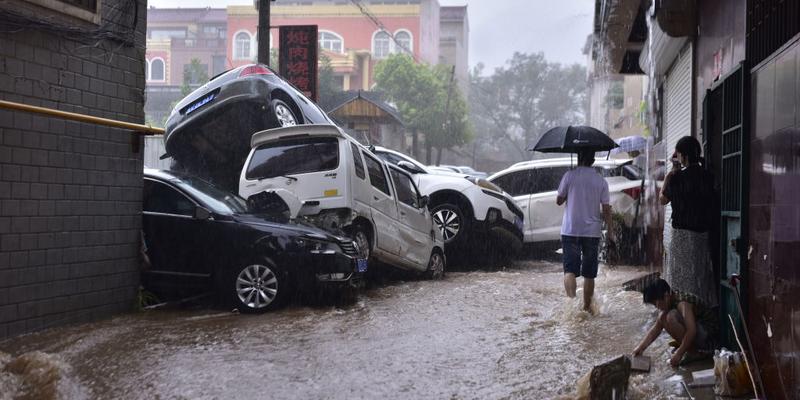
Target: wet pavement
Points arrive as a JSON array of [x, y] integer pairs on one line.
[[508, 334]]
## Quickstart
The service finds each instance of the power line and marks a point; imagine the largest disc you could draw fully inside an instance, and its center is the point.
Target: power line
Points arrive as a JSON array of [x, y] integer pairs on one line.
[[377, 22]]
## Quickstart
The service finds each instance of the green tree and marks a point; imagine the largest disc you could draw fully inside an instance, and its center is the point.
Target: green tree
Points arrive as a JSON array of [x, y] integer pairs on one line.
[[328, 87], [515, 105], [420, 93], [194, 75]]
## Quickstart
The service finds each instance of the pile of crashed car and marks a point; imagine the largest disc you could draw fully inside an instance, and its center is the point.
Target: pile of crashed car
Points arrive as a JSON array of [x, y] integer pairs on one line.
[[267, 197]]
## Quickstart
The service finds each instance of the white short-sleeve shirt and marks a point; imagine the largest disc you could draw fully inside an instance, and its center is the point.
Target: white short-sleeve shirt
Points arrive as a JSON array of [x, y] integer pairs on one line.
[[586, 191]]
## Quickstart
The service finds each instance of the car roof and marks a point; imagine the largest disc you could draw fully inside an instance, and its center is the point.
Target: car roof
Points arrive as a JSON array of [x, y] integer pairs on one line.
[[269, 135], [561, 162]]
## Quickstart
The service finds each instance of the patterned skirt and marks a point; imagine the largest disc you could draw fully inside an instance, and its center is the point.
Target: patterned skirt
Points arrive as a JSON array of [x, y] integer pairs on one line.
[[688, 266]]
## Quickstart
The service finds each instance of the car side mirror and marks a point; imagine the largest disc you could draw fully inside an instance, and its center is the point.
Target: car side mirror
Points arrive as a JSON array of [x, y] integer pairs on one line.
[[409, 167], [201, 213], [423, 201]]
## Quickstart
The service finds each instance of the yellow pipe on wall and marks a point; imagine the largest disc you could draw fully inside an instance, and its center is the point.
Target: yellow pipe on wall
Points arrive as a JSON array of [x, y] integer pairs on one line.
[[138, 128]]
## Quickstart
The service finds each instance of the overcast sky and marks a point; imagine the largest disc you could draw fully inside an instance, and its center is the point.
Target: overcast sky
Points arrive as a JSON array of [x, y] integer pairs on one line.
[[498, 28]]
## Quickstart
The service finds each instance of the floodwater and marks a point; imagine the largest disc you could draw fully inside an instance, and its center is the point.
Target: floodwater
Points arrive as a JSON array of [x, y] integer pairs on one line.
[[507, 334]]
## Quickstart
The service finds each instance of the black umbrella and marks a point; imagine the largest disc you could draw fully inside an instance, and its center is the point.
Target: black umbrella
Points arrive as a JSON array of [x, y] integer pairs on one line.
[[573, 139]]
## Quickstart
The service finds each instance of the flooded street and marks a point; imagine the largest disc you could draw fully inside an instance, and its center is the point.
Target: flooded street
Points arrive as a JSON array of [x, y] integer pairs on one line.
[[473, 335]]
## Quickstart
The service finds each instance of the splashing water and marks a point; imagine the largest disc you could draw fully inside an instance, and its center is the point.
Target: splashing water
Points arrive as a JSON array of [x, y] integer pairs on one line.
[[37, 375]]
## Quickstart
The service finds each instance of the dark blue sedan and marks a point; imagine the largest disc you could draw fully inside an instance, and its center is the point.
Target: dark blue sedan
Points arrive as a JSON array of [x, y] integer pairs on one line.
[[196, 234]]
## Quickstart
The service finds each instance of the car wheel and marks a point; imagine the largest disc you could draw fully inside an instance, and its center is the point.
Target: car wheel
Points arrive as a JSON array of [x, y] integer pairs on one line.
[[436, 265], [283, 113], [361, 238], [258, 287], [451, 222]]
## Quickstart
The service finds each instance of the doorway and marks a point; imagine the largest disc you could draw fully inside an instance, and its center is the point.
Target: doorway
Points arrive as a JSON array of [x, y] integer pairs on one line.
[[724, 134]]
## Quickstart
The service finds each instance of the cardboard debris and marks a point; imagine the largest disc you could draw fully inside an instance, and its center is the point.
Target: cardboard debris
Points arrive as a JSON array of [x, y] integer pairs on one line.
[[705, 377], [640, 363]]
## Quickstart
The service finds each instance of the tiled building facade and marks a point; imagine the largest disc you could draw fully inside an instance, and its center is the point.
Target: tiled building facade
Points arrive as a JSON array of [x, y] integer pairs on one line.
[[70, 193]]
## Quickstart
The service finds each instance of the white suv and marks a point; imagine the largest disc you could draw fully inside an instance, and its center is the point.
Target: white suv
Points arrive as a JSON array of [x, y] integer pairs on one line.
[[324, 176], [467, 209], [534, 185]]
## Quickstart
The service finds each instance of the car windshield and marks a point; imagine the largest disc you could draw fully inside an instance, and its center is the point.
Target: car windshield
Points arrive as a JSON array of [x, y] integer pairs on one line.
[[395, 159], [216, 199], [293, 156]]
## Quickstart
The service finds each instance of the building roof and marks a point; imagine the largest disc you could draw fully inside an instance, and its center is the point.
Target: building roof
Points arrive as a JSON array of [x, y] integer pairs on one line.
[[343, 98], [169, 15], [453, 13]]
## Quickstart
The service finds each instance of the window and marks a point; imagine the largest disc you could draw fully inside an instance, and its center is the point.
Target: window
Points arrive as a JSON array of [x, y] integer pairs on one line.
[[517, 183], [160, 198], [406, 192], [403, 42], [381, 45], [548, 179], [212, 197], [377, 176], [357, 163], [331, 41], [242, 44], [157, 70], [217, 65], [295, 156], [168, 34], [211, 31]]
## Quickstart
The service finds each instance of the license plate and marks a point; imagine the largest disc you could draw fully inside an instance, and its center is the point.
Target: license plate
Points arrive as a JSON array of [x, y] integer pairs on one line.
[[200, 103], [361, 265]]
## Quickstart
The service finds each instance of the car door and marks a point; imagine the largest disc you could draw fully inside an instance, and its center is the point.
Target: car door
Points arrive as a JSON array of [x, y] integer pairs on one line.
[[415, 223], [545, 215], [519, 185], [172, 234], [384, 209]]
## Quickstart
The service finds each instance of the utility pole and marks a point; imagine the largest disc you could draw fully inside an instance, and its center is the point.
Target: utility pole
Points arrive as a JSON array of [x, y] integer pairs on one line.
[[263, 30]]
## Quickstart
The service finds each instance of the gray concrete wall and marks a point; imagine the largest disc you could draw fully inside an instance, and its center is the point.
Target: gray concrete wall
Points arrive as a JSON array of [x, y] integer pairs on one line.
[[70, 193]]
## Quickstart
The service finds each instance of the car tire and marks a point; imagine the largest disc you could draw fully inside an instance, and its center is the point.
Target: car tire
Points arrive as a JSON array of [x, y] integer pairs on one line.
[[361, 237], [283, 113], [257, 287], [436, 265], [452, 221]]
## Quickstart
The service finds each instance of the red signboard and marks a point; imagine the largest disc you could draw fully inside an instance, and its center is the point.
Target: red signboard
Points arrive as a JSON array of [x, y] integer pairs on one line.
[[298, 57]]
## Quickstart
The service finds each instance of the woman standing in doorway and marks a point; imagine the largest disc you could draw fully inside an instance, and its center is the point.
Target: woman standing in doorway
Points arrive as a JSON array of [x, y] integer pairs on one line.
[[689, 187]]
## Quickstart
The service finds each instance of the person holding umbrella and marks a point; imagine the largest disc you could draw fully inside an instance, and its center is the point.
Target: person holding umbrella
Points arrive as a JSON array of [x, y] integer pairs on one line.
[[585, 194], [584, 191]]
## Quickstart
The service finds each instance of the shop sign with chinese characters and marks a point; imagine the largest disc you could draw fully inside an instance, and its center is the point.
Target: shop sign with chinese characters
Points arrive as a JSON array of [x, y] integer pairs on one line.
[[298, 57]]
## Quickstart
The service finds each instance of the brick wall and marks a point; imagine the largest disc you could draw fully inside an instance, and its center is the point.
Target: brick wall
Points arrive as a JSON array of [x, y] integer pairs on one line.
[[70, 193]]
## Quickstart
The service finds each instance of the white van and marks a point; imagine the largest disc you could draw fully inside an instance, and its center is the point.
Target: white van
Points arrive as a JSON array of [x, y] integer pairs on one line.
[[327, 178]]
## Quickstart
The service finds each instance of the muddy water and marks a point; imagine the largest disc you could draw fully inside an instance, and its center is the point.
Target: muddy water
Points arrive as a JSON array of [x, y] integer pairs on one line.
[[473, 335]]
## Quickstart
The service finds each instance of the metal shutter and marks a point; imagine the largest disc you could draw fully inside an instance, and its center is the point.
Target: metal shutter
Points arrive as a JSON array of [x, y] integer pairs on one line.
[[677, 116], [678, 100]]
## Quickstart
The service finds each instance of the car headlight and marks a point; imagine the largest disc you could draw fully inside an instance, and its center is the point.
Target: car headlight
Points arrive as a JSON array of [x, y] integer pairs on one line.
[[483, 183], [317, 246]]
